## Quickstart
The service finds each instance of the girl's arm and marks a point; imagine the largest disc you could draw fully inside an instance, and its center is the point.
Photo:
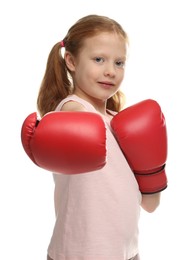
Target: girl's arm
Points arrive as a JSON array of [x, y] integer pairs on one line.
[[150, 202]]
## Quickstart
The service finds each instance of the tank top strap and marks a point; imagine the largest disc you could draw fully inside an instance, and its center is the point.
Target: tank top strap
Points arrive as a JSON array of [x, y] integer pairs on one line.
[[75, 98]]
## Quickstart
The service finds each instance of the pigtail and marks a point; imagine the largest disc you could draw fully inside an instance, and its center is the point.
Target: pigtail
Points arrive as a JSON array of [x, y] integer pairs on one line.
[[116, 102], [56, 84]]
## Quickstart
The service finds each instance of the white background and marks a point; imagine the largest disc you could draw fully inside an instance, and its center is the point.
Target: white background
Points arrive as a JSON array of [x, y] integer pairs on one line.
[[156, 69]]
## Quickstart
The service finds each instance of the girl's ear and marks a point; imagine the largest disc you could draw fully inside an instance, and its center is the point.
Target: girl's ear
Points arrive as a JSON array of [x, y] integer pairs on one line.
[[70, 62]]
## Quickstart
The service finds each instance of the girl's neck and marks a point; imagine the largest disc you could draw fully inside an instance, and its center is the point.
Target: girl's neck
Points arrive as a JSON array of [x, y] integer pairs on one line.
[[99, 105]]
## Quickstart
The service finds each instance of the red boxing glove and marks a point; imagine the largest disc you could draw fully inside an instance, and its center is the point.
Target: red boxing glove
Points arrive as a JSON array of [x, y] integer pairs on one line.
[[65, 142], [141, 133]]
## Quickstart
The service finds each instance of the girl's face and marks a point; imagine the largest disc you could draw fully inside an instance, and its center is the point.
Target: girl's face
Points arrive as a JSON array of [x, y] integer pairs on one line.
[[98, 70]]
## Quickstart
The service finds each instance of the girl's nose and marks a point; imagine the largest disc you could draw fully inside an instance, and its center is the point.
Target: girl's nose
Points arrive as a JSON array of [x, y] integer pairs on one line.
[[110, 70]]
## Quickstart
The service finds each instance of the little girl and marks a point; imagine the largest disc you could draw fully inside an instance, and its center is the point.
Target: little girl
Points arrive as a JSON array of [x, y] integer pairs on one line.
[[97, 213]]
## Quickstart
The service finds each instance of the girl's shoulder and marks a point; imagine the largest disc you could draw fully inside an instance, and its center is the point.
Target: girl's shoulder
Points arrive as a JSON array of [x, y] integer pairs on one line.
[[74, 103]]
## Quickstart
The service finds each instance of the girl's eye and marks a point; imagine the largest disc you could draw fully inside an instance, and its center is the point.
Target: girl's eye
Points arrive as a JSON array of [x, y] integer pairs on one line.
[[120, 63], [99, 60]]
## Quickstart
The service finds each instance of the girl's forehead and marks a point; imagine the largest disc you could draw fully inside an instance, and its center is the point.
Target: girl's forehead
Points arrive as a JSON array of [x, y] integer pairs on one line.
[[106, 35], [105, 38]]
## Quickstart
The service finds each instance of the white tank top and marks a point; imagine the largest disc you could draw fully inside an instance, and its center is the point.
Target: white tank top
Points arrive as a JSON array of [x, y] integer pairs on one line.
[[97, 213]]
